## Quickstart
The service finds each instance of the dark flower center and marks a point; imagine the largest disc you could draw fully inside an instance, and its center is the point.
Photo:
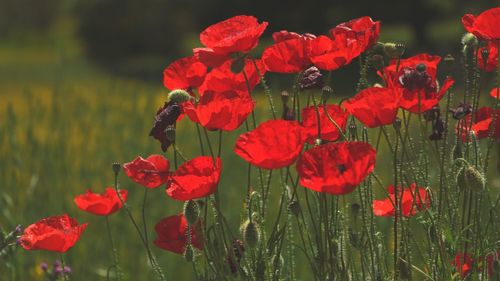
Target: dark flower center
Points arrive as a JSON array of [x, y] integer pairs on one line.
[[341, 168], [416, 78]]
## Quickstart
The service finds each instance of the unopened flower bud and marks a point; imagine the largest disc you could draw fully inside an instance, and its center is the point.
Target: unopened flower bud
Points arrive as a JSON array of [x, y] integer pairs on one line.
[[179, 96], [191, 212], [116, 168], [18, 229], [294, 208], [391, 50], [189, 253], [251, 234], [475, 180], [461, 111], [170, 133], [469, 40], [377, 62], [237, 65]]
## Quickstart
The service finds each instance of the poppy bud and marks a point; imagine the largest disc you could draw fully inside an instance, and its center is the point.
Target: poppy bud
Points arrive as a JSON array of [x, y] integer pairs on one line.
[[237, 65], [116, 168], [326, 93], [251, 234], [469, 40], [191, 212], [189, 253], [432, 114], [377, 62], [311, 79], [391, 50], [474, 178], [179, 96], [170, 133], [353, 131], [294, 207], [397, 124]]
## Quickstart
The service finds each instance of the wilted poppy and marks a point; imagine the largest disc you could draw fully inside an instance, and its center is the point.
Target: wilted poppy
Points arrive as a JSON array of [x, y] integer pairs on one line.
[[238, 34], [495, 93], [185, 73], [374, 106], [103, 204], [150, 172], [463, 264], [336, 168], [485, 25], [273, 144], [481, 124], [194, 179], [329, 131], [412, 200], [172, 234], [220, 110], [363, 31], [165, 116], [491, 63], [288, 56], [223, 79], [56, 234], [416, 78]]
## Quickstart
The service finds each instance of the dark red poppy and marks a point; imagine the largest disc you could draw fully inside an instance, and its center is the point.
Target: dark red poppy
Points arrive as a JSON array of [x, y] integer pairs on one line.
[[165, 116], [103, 204], [463, 264], [150, 172], [416, 78], [412, 200], [491, 63], [172, 234], [238, 34], [284, 35], [363, 31], [223, 79], [273, 144], [56, 234], [289, 56], [185, 73], [495, 93], [336, 168], [481, 124], [374, 106], [220, 110], [194, 179], [485, 25], [329, 131]]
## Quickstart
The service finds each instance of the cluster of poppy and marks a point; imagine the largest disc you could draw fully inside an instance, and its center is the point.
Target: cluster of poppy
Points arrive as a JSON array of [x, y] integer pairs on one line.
[[463, 263]]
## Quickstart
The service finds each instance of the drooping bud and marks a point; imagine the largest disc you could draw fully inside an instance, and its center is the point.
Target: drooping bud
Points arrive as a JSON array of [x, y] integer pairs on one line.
[[191, 212], [475, 180], [251, 234], [294, 208], [461, 111], [311, 79], [116, 168], [179, 96], [237, 65], [189, 253], [170, 133], [326, 93], [377, 62]]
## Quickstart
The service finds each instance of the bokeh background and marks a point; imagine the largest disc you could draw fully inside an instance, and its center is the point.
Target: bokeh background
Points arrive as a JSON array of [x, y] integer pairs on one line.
[[80, 82]]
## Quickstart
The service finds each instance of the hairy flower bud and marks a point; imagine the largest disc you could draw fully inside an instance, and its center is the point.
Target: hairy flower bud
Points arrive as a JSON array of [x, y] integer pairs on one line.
[[116, 168], [355, 207], [393, 51], [251, 234], [475, 180], [469, 40], [179, 96], [191, 212]]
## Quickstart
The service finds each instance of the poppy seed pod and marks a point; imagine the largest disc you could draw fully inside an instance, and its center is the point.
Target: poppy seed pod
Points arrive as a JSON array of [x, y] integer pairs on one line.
[[116, 168], [251, 234], [189, 253], [474, 178], [179, 96], [392, 51], [191, 212]]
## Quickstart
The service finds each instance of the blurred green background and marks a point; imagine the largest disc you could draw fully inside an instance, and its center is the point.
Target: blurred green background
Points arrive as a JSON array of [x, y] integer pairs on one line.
[[80, 82]]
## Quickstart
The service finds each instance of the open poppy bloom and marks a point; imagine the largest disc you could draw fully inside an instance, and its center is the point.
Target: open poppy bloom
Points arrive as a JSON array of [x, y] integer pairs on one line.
[[194, 179], [165, 116], [412, 200], [273, 144], [238, 34], [463, 264], [172, 234], [185, 73], [56, 234], [485, 25], [481, 125], [495, 93], [288, 56], [223, 79], [220, 110], [416, 78], [284, 35], [374, 106], [336, 168], [363, 31], [491, 63], [150, 172], [329, 131], [103, 204]]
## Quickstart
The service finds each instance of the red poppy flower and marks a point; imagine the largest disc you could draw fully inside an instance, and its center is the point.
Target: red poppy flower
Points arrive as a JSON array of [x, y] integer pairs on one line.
[[336, 168], [329, 131], [412, 200], [56, 234], [463, 264], [273, 144], [331, 54], [485, 25], [185, 73], [284, 35], [171, 232], [223, 79], [492, 59], [289, 56], [480, 124], [416, 79], [150, 172], [220, 110], [374, 106], [495, 93], [238, 34], [103, 204], [363, 31], [194, 179]]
